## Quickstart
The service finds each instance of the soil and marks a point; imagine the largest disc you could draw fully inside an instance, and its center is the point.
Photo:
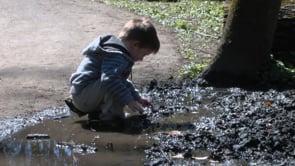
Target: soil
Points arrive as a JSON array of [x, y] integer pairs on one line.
[[40, 47]]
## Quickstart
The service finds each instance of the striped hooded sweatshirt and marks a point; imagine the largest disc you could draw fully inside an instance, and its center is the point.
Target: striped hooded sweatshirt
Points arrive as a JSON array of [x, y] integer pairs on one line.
[[107, 60]]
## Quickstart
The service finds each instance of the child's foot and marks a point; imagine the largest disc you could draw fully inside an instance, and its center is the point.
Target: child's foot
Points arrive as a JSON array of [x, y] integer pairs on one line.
[[70, 104]]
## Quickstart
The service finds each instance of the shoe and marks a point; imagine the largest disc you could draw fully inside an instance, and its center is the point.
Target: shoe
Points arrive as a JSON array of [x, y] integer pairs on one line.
[[93, 115], [69, 103]]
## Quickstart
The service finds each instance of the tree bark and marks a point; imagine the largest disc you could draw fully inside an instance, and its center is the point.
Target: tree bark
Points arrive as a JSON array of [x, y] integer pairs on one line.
[[245, 47]]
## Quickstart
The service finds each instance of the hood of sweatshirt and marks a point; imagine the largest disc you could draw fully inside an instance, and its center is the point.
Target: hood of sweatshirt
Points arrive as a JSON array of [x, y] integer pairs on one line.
[[106, 43]]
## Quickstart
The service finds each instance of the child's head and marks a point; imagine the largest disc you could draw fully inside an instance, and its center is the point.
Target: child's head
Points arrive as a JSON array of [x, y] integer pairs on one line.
[[142, 31]]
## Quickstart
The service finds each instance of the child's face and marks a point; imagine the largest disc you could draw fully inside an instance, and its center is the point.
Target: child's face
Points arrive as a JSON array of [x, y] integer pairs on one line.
[[141, 53], [138, 53]]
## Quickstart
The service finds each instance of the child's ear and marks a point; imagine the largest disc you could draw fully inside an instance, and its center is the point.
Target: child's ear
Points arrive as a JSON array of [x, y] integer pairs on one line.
[[135, 43]]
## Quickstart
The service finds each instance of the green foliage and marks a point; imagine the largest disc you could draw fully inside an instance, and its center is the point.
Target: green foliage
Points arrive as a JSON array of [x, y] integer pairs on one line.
[[192, 69], [181, 24], [197, 23]]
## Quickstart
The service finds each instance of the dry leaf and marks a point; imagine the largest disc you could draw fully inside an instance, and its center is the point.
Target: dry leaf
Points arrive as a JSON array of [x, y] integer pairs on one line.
[[268, 103]]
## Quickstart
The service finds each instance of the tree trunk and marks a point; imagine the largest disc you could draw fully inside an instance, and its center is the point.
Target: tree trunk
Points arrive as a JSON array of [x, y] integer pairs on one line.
[[246, 43]]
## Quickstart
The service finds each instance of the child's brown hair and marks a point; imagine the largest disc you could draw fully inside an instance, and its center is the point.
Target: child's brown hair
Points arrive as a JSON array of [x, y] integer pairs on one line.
[[142, 30]]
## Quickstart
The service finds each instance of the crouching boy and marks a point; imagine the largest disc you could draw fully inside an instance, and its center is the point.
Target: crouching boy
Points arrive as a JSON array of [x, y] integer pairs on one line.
[[100, 85]]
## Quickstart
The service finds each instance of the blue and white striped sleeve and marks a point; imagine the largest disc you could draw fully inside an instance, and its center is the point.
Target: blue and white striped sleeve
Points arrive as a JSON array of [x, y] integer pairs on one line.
[[112, 80]]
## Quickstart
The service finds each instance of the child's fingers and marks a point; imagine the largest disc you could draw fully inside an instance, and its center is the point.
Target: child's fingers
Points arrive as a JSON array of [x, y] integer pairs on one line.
[[145, 102]]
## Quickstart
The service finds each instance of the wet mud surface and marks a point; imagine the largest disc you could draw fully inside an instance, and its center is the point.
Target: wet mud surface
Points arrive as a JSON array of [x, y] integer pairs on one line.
[[187, 125], [240, 127]]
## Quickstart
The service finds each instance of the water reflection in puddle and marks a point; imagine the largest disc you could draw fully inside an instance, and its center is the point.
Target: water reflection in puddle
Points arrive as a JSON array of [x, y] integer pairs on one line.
[[64, 141], [36, 152]]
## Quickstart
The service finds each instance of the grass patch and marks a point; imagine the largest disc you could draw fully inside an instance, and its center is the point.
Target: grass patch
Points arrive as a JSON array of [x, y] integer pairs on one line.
[[197, 23]]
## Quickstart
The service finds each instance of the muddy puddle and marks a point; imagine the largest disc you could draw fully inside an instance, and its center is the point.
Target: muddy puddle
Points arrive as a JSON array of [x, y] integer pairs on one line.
[[64, 139], [59, 137], [187, 125]]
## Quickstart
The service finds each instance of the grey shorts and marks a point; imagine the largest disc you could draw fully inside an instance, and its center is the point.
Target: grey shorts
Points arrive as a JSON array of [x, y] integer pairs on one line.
[[93, 98]]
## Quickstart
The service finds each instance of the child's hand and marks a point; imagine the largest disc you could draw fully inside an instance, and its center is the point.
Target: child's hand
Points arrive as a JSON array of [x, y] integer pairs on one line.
[[145, 102], [134, 106]]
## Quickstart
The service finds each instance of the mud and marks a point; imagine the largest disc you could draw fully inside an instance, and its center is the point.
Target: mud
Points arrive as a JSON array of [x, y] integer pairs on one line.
[[240, 127], [187, 125]]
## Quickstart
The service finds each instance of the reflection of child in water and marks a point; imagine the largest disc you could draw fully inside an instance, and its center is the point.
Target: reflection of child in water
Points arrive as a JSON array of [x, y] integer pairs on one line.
[[100, 86]]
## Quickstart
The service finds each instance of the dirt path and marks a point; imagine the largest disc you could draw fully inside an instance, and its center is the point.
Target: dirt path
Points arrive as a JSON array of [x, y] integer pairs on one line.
[[40, 44]]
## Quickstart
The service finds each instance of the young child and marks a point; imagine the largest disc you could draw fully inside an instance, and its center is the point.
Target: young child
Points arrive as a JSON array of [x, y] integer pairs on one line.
[[100, 86]]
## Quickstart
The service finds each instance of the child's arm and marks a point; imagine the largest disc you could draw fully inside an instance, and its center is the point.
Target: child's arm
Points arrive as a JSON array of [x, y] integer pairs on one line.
[[112, 81], [133, 90]]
